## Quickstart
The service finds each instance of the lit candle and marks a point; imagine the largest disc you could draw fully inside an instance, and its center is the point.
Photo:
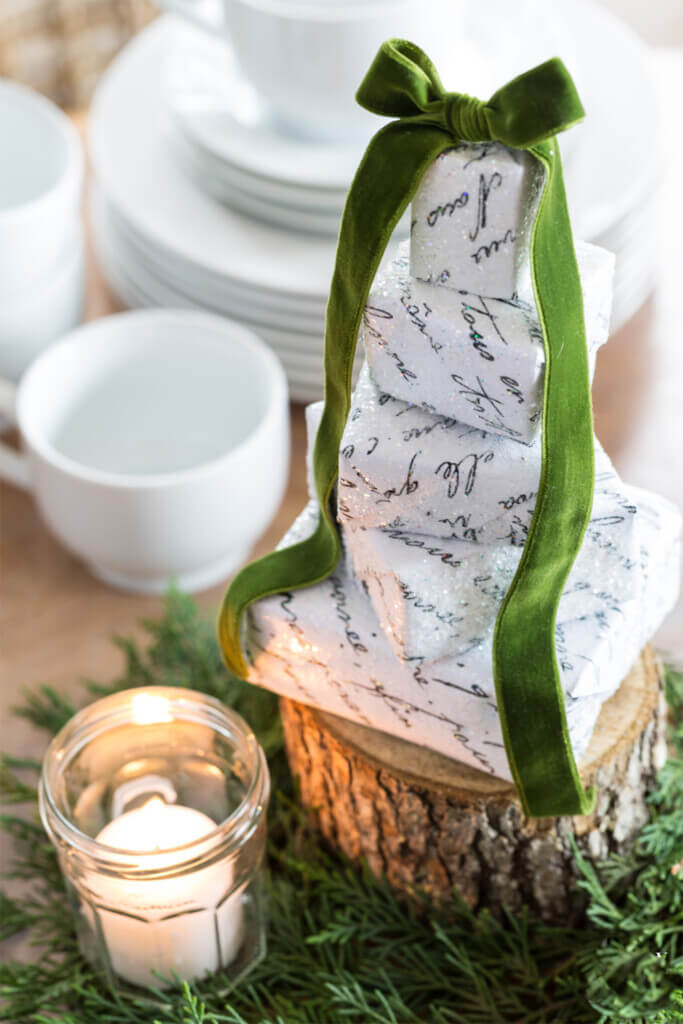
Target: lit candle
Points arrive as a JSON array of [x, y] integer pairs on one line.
[[170, 886], [175, 923]]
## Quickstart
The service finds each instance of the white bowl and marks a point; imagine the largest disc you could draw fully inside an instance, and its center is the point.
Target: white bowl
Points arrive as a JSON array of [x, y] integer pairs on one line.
[[33, 318], [41, 176], [157, 445]]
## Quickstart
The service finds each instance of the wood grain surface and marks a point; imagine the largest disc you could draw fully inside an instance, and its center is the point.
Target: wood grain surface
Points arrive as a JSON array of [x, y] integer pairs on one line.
[[424, 820]]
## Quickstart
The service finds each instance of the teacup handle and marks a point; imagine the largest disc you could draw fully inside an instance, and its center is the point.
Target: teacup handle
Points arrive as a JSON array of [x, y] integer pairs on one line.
[[211, 15], [13, 466]]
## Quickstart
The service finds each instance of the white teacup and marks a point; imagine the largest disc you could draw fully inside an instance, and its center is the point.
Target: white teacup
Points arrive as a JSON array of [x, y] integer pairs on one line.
[[157, 445], [307, 58], [41, 176]]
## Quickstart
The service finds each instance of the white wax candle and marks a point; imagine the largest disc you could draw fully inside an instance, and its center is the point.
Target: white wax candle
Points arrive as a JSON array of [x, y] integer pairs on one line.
[[180, 924]]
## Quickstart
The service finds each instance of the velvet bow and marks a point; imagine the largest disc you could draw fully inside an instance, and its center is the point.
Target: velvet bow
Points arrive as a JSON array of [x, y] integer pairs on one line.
[[403, 83]]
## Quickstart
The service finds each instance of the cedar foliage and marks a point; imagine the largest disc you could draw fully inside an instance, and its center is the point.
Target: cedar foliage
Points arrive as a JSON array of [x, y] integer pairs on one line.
[[341, 947]]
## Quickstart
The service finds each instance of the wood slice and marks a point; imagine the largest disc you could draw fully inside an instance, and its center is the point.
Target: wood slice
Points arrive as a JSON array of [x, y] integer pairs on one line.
[[428, 822]]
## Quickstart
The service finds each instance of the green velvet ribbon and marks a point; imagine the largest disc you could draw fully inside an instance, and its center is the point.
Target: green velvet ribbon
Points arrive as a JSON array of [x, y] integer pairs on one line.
[[525, 114]]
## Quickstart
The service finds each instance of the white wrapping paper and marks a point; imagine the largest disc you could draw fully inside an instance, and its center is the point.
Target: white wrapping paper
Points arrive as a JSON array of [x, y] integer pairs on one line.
[[324, 646], [425, 473], [437, 598], [472, 217], [314, 412], [478, 360]]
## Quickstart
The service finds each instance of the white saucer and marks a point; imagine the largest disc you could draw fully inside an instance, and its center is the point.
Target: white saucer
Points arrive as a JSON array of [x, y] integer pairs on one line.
[[131, 254], [304, 349], [207, 288], [612, 167], [140, 261], [301, 352], [607, 165], [132, 167], [285, 193], [217, 108], [217, 181]]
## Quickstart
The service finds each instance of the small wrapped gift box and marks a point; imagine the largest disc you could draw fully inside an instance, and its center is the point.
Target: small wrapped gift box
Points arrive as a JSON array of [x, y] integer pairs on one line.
[[402, 466], [324, 645], [472, 217], [436, 598], [468, 356]]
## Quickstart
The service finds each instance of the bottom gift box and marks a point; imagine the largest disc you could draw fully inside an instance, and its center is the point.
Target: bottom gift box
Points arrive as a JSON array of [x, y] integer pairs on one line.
[[324, 646]]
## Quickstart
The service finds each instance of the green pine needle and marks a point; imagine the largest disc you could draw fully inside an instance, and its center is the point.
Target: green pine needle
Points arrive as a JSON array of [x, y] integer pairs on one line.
[[341, 946], [47, 709]]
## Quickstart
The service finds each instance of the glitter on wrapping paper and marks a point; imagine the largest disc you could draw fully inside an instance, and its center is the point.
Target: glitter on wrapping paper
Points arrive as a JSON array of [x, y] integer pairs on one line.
[[438, 598], [593, 662], [463, 242], [430, 474], [407, 362]]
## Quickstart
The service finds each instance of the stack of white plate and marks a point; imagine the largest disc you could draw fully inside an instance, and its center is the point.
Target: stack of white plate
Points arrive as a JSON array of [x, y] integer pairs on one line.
[[164, 242], [200, 201]]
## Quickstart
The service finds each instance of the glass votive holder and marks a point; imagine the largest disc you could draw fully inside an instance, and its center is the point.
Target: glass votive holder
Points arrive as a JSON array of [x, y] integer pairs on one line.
[[156, 799]]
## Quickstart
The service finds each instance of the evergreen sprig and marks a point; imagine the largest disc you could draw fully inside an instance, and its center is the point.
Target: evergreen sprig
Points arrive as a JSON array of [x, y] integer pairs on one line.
[[341, 946]]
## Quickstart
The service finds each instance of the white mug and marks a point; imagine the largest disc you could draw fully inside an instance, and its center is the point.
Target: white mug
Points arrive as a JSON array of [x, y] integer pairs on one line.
[[41, 177], [156, 445], [307, 58], [34, 317]]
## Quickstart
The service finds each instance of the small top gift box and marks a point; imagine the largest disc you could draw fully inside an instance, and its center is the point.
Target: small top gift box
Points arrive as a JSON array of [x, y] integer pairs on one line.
[[471, 218]]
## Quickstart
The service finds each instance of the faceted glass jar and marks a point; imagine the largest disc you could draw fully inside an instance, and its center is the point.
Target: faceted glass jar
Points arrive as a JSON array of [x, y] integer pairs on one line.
[[155, 799]]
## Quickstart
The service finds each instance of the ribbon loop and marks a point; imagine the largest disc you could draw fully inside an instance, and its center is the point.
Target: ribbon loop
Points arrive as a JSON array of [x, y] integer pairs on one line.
[[465, 117], [400, 82], [403, 82], [535, 106]]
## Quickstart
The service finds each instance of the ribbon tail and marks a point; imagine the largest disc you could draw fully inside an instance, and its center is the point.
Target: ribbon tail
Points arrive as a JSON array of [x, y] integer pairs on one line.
[[385, 182], [527, 676]]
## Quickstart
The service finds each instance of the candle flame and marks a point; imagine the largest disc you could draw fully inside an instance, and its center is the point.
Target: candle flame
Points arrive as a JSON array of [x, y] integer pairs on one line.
[[153, 804], [150, 709]]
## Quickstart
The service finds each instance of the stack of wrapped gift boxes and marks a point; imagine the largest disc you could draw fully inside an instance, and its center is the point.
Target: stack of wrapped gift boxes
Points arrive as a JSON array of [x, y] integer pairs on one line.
[[438, 472]]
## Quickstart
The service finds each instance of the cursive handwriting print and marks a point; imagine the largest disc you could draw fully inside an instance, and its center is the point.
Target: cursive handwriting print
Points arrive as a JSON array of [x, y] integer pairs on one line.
[[419, 583], [315, 646], [472, 217], [474, 358], [439, 476]]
